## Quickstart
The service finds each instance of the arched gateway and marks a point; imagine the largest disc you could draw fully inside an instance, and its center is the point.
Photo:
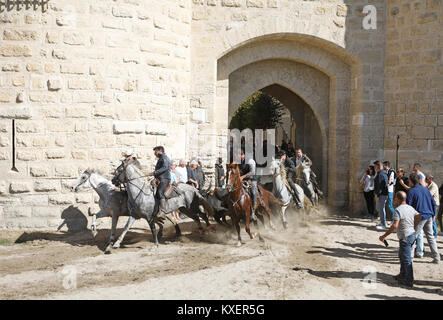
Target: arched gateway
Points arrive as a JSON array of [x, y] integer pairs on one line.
[[316, 73]]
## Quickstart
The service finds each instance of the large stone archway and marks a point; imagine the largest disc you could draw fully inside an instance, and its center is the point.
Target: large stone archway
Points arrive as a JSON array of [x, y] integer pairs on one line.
[[318, 76], [309, 85]]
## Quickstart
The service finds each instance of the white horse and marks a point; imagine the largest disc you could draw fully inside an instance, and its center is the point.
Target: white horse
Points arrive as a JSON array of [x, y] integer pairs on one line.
[[281, 192], [113, 203], [303, 171]]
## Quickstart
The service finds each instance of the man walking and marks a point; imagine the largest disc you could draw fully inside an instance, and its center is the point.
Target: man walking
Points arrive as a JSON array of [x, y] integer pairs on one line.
[[381, 191], [420, 198], [162, 174], [405, 219]]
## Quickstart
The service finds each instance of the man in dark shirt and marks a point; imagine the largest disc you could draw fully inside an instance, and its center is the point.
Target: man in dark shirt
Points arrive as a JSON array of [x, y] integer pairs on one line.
[[162, 174], [421, 200], [402, 182], [291, 151], [192, 174], [219, 174], [381, 191]]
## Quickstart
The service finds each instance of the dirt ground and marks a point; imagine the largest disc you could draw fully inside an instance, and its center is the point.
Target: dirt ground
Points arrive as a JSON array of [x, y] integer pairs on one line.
[[326, 256]]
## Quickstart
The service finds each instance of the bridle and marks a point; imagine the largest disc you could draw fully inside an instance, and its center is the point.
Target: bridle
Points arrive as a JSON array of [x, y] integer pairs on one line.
[[84, 181], [120, 170], [230, 185]]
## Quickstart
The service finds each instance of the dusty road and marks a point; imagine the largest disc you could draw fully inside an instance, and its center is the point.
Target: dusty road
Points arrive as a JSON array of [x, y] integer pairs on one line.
[[327, 257]]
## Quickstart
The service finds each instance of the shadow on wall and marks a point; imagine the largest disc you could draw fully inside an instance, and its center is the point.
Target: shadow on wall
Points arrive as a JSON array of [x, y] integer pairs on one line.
[[74, 220]]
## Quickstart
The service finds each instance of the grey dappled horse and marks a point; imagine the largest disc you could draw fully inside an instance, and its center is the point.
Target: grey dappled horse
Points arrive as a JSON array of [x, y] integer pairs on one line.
[[141, 199], [112, 203], [281, 192], [303, 171]]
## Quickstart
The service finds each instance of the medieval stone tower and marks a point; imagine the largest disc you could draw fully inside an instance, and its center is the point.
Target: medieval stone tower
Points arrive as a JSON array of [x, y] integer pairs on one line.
[[85, 79]]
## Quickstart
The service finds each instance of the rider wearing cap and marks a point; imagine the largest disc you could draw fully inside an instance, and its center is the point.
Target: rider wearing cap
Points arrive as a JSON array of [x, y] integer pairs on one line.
[[128, 154], [248, 173], [300, 157]]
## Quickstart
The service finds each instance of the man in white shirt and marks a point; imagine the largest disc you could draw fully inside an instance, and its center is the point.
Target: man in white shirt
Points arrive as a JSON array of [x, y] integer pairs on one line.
[[433, 189], [417, 169], [405, 219], [182, 172]]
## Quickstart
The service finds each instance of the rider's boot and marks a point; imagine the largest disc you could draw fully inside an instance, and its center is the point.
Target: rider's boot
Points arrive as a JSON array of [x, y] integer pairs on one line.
[[162, 208], [297, 199]]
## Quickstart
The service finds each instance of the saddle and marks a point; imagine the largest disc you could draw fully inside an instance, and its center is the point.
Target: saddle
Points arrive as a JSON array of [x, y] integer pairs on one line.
[[170, 192]]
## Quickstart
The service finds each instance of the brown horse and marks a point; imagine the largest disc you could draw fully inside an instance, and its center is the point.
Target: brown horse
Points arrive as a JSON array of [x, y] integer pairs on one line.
[[239, 201]]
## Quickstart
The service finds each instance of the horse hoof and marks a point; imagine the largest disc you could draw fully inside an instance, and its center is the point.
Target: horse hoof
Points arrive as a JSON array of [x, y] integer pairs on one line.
[[108, 249], [285, 225], [238, 243], [116, 245]]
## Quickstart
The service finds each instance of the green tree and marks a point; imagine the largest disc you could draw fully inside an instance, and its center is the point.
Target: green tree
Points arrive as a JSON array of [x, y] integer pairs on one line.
[[259, 111]]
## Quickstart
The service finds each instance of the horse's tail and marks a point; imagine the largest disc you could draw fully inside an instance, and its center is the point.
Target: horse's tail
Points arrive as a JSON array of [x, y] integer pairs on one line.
[[206, 205]]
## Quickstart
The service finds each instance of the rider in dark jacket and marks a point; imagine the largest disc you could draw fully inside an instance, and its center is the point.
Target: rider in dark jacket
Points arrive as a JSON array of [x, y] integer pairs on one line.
[[162, 174], [291, 174]]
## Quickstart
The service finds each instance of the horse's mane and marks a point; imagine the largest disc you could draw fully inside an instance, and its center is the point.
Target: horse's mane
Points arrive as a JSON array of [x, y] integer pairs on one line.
[[93, 170], [136, 165]]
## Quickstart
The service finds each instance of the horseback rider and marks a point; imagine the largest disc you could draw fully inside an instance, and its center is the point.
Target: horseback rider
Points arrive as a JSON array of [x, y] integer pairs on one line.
[[300, 158], [128, 154], [162, 174], [248, 173], [290, 174]]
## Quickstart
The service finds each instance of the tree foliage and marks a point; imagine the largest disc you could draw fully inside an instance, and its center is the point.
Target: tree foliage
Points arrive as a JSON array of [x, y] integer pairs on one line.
[[259, 111]]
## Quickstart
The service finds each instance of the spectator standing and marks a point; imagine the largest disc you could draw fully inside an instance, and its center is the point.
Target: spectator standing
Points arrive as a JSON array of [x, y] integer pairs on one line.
[[402, 182], [433, 189], [367, 184], [404, 221], [440, 211], [182, 171], [417, 169], [201, 178], [174, 181], [420, 198], [391, 182], [381, 192], [192, 174], [219, 174]]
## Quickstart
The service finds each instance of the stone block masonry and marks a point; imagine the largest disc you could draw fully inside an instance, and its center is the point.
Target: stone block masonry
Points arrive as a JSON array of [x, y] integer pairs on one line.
[[86, 79]]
